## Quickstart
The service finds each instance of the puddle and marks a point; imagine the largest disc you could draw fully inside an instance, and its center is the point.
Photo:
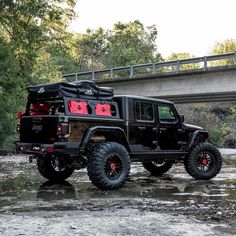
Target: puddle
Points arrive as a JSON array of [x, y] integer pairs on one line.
[[22, 189], [174, 204]]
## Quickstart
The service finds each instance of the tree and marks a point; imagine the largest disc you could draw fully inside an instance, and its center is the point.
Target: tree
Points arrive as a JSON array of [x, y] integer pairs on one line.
[[125, 44], [129, 44], [91, 47], [63, 55], [30, 25], [10, 96], [227, 46], [26, 28], [180, 56]]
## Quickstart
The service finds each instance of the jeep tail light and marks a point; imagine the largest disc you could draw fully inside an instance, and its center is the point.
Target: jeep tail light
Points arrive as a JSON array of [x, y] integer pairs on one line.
[[50, 149], [63, 129], [19, 115]]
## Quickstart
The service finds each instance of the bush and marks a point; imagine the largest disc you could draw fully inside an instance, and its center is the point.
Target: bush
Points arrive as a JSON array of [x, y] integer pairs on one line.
[[10, 104], [230, 142], [205, 115]]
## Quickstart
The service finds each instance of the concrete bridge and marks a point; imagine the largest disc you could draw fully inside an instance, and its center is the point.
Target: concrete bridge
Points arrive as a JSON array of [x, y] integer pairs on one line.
[[182, 81]]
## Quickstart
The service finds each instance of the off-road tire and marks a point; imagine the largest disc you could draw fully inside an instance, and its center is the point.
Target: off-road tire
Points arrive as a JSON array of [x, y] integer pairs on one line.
[[47, 170], [102, 159], [210, 155], [156, 170]]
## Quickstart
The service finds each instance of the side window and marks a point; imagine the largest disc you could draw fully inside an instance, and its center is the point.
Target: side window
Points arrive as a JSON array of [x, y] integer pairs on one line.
[[144, 111], [166, 113]]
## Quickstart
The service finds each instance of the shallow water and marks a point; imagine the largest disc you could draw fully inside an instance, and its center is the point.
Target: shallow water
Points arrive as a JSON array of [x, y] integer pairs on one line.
[[175, 199]]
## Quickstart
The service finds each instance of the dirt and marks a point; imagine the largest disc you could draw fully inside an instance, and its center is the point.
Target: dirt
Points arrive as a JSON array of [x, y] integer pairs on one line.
[[174, 204]]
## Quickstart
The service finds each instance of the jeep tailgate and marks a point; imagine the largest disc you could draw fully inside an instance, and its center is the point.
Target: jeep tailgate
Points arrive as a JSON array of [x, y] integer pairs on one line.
[[41, 129]]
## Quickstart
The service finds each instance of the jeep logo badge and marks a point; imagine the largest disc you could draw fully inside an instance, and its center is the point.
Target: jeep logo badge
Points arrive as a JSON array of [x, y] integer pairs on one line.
[[37, 128], [36, 148], [89, 92], [41, 90]]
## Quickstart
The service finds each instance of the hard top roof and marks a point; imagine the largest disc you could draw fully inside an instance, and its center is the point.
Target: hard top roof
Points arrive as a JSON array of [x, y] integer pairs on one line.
[[144, 98]]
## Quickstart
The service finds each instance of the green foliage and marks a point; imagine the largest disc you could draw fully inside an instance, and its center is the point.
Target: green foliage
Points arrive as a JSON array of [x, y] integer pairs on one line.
[[130, 44], [79, 52], [9, 105], [29, 26], [183, 55], [227, 46], [11, 96], [218, 119], [90, 48], [125, 44], [63, 54], [26, 28]]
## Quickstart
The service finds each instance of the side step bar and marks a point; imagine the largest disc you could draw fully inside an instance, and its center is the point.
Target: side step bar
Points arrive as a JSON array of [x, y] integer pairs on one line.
[[154, 155]]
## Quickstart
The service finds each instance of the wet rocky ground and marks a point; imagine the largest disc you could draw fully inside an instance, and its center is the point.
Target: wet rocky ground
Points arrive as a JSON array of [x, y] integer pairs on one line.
[[174, 204]]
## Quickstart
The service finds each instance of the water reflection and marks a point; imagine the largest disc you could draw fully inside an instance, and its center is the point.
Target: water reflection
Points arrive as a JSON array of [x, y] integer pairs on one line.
[[24, 191], [202, 190], [51, 191], [169, 188]]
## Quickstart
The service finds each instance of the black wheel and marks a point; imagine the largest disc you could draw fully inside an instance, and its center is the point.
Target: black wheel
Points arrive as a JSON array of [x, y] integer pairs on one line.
[[204, 161], [53, 169], [109, 165], [157, 168]]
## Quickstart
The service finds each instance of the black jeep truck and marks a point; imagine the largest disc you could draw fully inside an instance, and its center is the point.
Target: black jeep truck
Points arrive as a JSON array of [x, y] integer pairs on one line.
[[68, 126]]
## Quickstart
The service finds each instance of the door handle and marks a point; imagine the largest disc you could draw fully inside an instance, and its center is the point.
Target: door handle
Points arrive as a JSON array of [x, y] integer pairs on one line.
[[141, 128], [154, 129], [162, 129]]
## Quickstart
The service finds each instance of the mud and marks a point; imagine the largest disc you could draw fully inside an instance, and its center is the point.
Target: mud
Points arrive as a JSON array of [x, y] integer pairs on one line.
[[174, 204]]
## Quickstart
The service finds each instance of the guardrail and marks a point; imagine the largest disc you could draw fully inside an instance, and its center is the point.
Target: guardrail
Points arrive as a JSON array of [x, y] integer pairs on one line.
[[176, 66]]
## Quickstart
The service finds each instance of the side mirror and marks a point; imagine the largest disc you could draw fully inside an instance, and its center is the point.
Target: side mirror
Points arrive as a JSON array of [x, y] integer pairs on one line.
[[181, 118]]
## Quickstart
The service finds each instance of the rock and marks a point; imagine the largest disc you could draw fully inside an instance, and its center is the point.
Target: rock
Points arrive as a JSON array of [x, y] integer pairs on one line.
[[191, 201], [73, 227]]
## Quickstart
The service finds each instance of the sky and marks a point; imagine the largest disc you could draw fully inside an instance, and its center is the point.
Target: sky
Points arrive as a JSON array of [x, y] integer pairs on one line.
[[192, 26]]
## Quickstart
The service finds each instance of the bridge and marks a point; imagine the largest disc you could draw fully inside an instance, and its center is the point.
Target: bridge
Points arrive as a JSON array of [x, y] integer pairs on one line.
[[201, 79]]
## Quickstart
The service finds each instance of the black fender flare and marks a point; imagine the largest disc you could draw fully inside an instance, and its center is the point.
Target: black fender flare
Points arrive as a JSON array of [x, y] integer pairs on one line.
[[91, 130], [194, 137]]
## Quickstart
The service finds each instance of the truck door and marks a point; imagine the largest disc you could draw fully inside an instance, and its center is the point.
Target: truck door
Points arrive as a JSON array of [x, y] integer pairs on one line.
[[145, 124], [168, 126]]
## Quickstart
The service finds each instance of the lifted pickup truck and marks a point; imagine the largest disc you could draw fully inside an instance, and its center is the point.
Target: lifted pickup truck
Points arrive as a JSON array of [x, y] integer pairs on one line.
[[68, 126]]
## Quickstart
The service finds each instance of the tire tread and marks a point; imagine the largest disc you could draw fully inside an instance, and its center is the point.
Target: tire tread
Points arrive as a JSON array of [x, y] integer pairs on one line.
[[95, 165], [193, 171]]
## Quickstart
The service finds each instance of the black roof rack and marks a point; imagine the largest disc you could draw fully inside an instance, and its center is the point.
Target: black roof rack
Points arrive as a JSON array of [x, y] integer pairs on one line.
[[78, 89]]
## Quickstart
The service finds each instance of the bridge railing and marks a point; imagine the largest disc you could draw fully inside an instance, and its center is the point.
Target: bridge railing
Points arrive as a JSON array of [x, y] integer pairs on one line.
[[156, 68]]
